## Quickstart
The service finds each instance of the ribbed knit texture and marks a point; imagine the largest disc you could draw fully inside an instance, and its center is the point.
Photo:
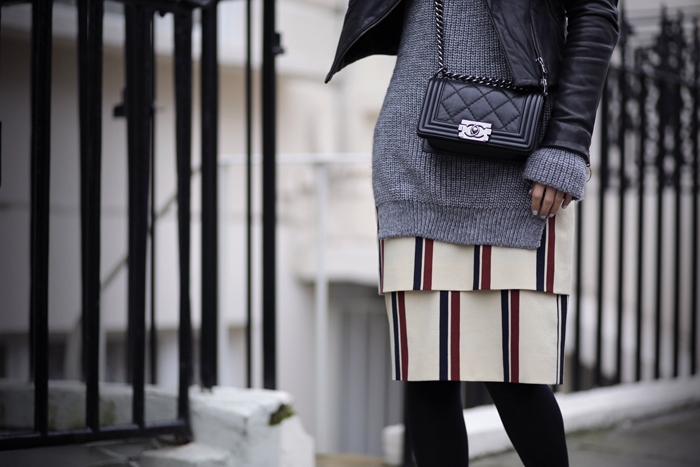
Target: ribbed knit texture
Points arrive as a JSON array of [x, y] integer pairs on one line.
[[558, 168], [446, 198]]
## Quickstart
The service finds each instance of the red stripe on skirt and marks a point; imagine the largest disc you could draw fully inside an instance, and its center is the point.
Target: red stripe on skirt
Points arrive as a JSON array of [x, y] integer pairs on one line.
[[428, 265], [486, 267], [550, 257], [454, 337], [404, 337], [382, 265], [514, 336]]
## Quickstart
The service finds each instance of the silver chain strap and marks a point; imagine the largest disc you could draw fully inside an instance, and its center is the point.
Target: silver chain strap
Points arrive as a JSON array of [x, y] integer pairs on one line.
[[442, 69]]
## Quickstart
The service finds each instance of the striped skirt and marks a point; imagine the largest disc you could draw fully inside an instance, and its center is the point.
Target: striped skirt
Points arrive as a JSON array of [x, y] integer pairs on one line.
[[477, 312]]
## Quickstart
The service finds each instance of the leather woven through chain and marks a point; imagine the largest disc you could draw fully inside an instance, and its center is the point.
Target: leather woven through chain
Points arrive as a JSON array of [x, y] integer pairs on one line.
[[482, 103], [442, 69]]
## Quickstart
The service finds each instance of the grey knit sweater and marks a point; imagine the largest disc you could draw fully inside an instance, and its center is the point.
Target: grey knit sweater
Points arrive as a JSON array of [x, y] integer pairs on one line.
[[448, 198]]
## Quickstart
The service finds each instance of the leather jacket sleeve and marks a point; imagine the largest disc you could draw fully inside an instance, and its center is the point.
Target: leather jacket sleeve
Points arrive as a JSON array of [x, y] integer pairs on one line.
[[362, 34], [592, 34]]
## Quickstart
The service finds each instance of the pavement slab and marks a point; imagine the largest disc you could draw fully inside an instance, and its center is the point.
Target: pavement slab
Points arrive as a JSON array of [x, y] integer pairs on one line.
[[98, 454], [348, 460], [671, 440]]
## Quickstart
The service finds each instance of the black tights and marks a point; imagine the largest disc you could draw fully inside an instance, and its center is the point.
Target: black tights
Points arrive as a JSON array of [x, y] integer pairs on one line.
[[529, 412]]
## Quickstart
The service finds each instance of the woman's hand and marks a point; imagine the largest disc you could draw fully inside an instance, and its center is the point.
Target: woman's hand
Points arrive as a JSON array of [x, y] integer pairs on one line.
[[547, 200]]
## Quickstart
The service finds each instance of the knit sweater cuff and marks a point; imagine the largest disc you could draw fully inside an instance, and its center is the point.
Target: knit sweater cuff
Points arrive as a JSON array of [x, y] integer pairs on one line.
[[558, 168]]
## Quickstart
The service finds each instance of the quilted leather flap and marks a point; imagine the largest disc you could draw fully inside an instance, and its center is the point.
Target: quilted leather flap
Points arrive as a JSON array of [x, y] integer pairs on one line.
[[479, 102]]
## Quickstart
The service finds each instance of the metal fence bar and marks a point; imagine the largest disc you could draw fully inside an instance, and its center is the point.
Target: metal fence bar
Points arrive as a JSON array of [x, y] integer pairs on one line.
[[604, 182], [623, 88], [0, 121], [138, 105], [83, 122], [269, 182], [153, 329], [622, 187], [249, 195], [91, 155], [183, 131], [577, 366], [41, 177], [659, 244], [695, 195], [641, 193], [209, 70], [677, 172]]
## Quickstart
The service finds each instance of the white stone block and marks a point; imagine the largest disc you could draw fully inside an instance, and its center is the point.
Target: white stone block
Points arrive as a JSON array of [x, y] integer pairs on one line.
[[603, 407], [486, 433], [296, 446], [241, 421], [238, 421], [392, 444], [188, 455]]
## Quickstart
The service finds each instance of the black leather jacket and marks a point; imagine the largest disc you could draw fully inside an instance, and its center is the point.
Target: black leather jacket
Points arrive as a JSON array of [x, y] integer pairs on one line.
[[575, 38]]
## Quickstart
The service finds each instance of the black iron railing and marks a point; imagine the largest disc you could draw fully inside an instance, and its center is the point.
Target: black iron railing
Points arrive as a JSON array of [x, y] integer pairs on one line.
[[138, 108], [648, 175], [271, 47]]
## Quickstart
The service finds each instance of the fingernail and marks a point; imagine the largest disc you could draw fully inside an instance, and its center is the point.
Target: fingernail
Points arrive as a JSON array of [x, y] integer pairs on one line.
[[534, 212], [550, 216], [543, 217], [529, 192], [564, 206]]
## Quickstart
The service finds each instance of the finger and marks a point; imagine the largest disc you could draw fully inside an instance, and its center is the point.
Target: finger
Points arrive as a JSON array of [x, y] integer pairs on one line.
[[537, 192], [567, 201], [547, 201], [558, 198]]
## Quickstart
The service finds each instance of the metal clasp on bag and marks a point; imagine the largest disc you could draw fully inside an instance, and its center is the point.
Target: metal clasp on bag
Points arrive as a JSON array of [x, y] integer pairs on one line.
[[475, 131]]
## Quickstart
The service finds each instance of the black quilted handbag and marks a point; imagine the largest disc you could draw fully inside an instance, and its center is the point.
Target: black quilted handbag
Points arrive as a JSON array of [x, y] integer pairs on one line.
[[479, 117]]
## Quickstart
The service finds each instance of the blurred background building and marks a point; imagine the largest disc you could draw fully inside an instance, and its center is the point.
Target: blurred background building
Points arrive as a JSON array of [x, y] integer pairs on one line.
[[324, 184]]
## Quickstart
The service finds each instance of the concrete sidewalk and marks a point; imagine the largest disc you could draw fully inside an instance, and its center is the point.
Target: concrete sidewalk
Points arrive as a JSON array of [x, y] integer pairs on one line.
[[670, 440]]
